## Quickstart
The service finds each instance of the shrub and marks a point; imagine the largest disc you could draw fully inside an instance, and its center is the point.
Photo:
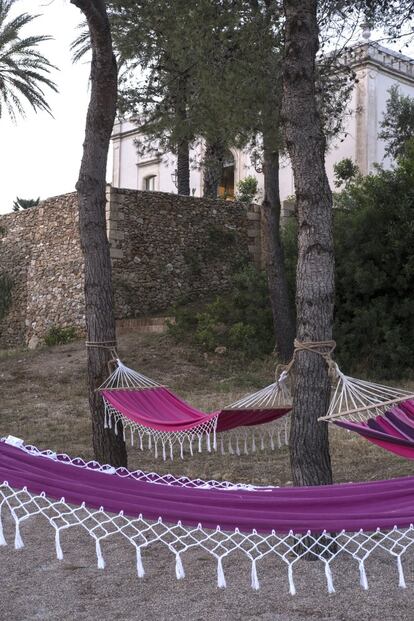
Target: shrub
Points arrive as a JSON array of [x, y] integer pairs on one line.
[[60, 336], [240, 320], [247, 189], [374, 254]]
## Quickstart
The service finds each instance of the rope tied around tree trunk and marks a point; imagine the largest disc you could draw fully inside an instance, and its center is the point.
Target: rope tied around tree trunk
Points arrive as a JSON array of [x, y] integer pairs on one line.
[[110, 346], [321, 348]]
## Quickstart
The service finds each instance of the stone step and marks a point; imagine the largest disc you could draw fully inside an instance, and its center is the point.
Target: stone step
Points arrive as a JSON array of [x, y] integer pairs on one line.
[[143, 325]]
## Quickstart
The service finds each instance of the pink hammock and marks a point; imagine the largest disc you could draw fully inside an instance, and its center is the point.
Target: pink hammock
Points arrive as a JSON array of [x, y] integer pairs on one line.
[[161, 419], [354, 519], [393, 430]]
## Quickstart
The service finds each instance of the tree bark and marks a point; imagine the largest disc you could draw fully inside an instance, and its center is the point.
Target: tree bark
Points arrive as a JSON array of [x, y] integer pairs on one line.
[[183, 144], [283, 320], [91, 188], [212, 168], [309, 452], [183, 168]]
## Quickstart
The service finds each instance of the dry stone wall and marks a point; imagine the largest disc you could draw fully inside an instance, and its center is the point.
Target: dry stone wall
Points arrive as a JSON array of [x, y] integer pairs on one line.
[[165, 249]]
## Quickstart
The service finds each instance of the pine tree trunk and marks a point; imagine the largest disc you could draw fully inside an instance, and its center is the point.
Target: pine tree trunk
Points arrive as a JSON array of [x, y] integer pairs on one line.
[[91, 185], [283, 320], [183, 145], [183, 168], [310, 459], [212, 169]]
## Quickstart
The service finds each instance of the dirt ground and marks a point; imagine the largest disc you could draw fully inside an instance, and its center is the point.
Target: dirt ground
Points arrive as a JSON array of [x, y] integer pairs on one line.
[[43, 401]]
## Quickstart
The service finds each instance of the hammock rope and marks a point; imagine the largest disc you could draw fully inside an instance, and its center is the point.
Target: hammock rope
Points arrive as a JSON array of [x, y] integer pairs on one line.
[[67, 510]]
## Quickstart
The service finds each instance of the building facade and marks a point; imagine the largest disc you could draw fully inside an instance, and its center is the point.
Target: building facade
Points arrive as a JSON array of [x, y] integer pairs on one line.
[[377, 69]]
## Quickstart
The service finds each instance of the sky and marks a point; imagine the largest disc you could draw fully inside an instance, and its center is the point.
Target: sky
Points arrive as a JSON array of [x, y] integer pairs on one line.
[[40, 155]]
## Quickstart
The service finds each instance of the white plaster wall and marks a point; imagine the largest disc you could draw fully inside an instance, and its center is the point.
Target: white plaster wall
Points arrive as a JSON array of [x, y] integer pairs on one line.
[[360, 141]]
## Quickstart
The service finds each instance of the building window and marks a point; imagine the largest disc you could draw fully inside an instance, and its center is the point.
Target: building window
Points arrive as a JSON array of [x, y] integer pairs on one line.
[[149, 183], [226, 186]]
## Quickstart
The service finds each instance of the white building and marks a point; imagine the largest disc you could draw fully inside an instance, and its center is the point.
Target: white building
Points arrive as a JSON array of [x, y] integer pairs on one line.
[[377, 69]]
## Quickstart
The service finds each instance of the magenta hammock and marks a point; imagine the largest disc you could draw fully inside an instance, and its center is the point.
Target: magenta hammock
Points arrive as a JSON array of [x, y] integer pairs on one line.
[[161, 420], [221, 519], [393, 430], [160, 409], [347, 506]]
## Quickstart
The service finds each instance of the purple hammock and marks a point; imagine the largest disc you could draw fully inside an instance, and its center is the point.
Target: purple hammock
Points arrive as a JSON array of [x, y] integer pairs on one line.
[[345, 506], [351, 519], [393, 431]]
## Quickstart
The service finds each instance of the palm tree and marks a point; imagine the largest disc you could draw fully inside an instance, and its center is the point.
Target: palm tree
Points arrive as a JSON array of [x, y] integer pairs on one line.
[[24, 72]]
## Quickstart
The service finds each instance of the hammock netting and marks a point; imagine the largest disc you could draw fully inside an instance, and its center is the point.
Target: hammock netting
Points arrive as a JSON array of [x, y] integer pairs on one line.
[[220, 518], [160, 421]]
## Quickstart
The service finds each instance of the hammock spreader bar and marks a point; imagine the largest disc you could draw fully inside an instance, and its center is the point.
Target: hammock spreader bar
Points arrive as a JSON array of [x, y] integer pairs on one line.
[[160, 421], [285, 522]]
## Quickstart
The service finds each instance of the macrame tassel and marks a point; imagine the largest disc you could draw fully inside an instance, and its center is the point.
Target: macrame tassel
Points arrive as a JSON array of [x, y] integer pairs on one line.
[[3, 542], [292, 589], [181, 449], [101, 562], [255, 580], [230, 447], [179, 569], [254, 444], [116, 427], [262, 446], [214, 440], [106, 419], [155, 449], [237, 446], [246, 452], [208, 443], [272, 443], [123, 432], [171, 451], [109, 420], [401, 581], [140, 566], [141, 443], [164, 454], [191, 446], [279, 441], [363, 576], [18, 542], [150, 442], [329, 580], [221, 580], [132, 437], [59, 553], [199, 443]]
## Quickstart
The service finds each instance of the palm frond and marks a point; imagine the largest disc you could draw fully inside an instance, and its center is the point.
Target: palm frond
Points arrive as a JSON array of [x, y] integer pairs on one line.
[[24, 70]]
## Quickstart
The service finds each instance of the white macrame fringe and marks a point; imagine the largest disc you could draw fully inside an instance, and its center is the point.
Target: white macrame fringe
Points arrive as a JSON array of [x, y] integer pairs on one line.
[[401, 579], [221, 580], [101, 561], [59, 552], [140, 567], [237, 441], [290, 548]]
